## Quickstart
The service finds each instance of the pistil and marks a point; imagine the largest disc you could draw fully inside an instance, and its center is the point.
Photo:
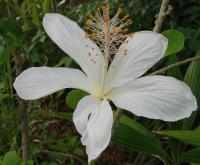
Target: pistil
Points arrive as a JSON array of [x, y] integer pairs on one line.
[[107, 35], [107, 44]]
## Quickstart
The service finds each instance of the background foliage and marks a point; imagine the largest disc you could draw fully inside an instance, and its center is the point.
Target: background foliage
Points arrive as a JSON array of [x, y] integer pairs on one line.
[[53, 138]]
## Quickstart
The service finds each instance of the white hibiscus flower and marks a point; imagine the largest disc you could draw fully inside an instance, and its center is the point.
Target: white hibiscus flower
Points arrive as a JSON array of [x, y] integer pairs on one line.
[[155, 97]]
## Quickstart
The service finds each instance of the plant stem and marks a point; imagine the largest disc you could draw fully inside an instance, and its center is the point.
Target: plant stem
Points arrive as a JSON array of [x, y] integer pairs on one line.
[[107, 44], [163, 70], [165, 10], [23, 109], [21, 104], [116, 120]]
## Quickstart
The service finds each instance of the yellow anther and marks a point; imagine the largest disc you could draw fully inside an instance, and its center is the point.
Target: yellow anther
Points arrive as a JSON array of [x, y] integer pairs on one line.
[[120, 10], [96, 14], [94, 36], [130, 21], [90, 17], [86, 35], [126, 16], [131, 34], [124, 52], [117, 31], [88, 22], [106, 9], [125, 30]]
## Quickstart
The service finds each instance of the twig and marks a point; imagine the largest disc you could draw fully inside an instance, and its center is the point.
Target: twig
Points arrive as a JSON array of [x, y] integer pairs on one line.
[[116, 120], [165, 10], [23, 109], [69, 155], [163, 70]]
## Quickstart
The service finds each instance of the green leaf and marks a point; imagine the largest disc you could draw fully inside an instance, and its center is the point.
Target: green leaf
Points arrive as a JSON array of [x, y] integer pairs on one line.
[[73, 97], [174, 72], [35, 16], [193, 80], [29, 162], [11, 158], [11, 30], [65, 61], [136, 126], [5, 53], [192, 156], [46, 4], [176, 41], [132, 139], [64, 115], [79, 151], [132, 135], [191, 137]]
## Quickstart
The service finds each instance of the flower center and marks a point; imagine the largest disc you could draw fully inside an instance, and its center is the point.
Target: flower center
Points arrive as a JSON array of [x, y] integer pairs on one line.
[[108, 33]]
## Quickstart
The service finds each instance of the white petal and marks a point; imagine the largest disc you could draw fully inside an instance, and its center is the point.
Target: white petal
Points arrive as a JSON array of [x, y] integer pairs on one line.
[[144, 49], [93, 119], [156, 97], [37, 82], [84, 108], [71, 39]]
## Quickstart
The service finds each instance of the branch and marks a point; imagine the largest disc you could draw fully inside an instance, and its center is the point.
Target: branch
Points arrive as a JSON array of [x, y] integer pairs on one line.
[[21, 104], [163, 70], [165, 10]]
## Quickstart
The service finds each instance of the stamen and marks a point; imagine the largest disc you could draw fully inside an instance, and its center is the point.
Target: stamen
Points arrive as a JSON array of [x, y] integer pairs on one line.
[[108, 33], [119, 10], [86, 35]]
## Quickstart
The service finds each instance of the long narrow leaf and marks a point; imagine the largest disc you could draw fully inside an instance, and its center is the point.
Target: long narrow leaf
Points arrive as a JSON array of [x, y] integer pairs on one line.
[[190, 137], [192, 156]]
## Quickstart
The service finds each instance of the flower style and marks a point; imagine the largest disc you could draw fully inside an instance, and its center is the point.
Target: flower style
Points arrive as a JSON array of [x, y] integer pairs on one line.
[[155, 97]]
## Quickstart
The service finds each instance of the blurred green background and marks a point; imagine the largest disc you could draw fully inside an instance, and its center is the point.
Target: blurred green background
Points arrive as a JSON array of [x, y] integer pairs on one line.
[[53, 139]]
